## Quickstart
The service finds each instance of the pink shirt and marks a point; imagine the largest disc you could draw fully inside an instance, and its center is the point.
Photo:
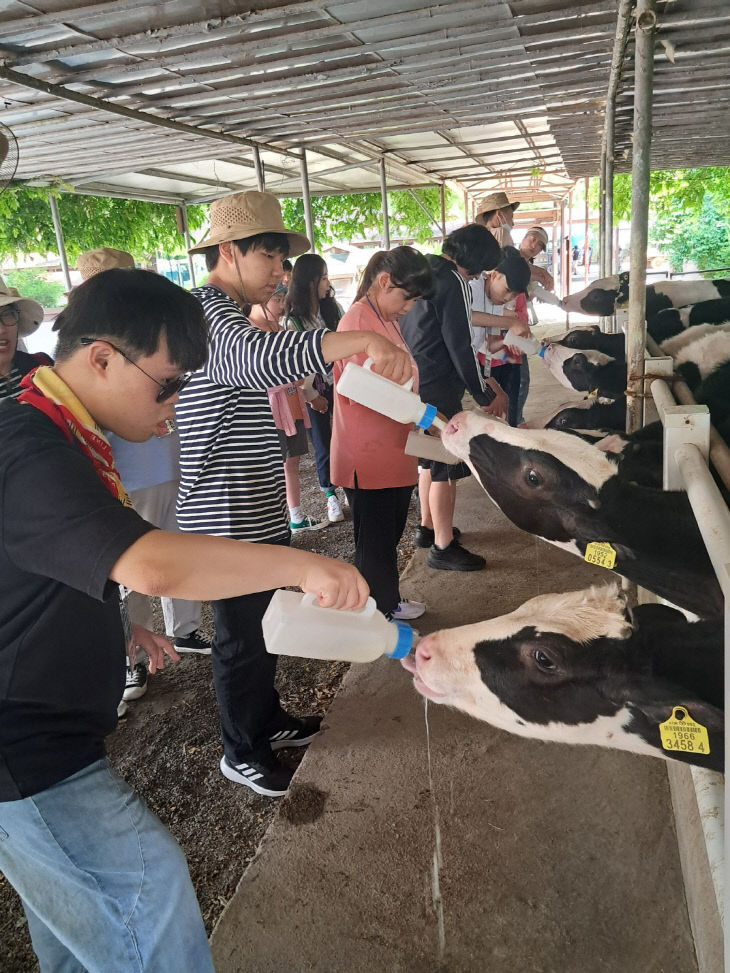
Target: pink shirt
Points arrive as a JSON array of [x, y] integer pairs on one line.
[[364, 443]]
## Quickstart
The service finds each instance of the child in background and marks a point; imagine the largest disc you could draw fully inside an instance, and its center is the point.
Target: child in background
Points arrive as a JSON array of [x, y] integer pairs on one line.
[[310, 304], [289, 408], [368, 457]]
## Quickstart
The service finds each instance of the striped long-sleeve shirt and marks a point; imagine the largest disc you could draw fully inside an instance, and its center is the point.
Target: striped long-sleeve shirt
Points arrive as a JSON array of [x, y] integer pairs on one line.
[[231, 466]]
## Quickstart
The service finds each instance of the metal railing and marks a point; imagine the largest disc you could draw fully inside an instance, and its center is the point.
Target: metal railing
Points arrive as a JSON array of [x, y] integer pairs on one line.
[[688, 444]]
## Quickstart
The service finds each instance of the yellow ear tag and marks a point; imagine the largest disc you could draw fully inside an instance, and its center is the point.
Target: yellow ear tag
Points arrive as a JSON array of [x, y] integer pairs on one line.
[[592, 394], [600, 553], [680, 732]]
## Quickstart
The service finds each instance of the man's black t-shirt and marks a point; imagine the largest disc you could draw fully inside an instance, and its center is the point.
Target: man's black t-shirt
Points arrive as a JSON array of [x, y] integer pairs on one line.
[[61, 643]]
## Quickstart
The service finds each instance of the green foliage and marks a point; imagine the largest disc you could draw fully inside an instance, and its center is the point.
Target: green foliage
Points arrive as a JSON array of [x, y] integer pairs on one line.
[[701, 238], [358, 216], [32, 284], [672, 191], [88, 222]]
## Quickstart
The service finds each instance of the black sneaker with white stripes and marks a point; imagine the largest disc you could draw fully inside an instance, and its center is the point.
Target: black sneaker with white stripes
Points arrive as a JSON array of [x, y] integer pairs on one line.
[[297, 733], [265, 776]]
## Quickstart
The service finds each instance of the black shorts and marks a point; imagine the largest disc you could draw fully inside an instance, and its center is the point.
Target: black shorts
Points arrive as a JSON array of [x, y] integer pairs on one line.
[[296, 445]]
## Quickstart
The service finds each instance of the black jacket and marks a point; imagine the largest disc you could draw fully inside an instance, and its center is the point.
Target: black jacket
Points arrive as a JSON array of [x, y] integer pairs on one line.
[[438, 335]]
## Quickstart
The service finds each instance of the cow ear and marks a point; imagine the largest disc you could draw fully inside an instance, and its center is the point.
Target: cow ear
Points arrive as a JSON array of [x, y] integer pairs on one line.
[[707, 715]]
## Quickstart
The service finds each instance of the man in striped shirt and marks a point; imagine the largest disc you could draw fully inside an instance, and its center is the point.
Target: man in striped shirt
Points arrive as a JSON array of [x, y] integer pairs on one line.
[[231, 471]]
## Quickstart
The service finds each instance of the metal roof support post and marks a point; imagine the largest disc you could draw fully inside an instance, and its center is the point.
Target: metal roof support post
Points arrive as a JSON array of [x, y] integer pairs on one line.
[[602, 218], [306, 199], [564, 259], [586, 248], [467, 214], [442, 199], [384, 204], [569, 275], [641, 157], [188, 243], [259, 167], [59, 240]]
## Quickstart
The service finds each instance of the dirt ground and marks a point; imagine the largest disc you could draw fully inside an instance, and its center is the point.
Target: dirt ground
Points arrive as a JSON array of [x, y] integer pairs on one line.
[[168, 749]]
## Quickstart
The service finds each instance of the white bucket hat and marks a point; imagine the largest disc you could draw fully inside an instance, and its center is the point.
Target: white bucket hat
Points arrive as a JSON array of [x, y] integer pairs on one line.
[[31, 312], [248, 214], [94, 262]]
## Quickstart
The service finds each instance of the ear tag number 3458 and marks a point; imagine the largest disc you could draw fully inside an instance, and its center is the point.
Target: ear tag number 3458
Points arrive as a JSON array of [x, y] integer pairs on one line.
[[681, 732]]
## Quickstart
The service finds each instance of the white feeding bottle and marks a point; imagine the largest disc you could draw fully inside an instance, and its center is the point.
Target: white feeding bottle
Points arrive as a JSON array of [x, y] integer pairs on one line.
[[294, 624], [529, 346], [398, 402]]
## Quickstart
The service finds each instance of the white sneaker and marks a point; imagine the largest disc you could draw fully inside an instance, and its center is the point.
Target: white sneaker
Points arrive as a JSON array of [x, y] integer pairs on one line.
[[334, 510], [408, 610]]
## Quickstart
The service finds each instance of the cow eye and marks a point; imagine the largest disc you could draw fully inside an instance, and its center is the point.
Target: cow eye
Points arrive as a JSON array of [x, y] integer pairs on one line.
[[543, 661], [533, 478]]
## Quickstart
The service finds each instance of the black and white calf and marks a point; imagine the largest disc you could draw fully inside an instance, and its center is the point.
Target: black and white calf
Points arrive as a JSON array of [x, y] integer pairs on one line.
[[581, 668], [672, 321], [601, 297], [593, 339], [588, 413], [570, 493], [587, 371]]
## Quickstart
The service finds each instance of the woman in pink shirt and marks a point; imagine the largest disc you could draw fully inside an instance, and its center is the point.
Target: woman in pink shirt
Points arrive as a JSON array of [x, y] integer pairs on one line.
[[366, 454]]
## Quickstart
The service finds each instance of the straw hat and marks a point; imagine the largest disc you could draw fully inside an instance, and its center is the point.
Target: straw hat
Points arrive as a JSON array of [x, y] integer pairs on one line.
[[93, 262], [31, 312], [244, 215], [497, 200], [540, 234]]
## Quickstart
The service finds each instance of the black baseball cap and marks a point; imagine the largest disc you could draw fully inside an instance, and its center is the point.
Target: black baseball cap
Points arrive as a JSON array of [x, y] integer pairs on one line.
[[515, 268]]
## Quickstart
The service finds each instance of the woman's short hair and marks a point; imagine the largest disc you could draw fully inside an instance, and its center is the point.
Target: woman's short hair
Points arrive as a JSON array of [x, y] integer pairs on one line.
[[408, 270], [135, 309], [472, 247]]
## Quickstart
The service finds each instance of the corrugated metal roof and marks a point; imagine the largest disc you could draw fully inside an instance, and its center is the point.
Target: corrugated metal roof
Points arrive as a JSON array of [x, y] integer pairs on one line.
[[481, 93]]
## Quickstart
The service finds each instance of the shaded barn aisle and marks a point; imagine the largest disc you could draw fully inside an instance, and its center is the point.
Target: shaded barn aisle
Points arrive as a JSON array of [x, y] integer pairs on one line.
[[553, 859]]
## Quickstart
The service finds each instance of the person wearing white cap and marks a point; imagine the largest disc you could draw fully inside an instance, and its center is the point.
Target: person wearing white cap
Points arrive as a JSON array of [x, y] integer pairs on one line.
[[19, 317], [150, 472], [231, 475]]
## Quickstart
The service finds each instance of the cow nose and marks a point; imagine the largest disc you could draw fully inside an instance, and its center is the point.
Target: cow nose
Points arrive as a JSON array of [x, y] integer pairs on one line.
[[423, 650]]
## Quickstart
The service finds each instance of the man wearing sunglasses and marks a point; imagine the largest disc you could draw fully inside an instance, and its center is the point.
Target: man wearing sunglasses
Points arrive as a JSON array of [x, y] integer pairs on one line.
[[103, 883]]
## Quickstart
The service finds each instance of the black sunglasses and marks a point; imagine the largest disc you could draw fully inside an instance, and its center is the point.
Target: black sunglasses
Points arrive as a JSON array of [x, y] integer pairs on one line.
[[167, 389]]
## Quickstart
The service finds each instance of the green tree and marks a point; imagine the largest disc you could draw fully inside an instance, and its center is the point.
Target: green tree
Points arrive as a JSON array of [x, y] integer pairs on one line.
[[26, 225], [672, 191], [701, 238], [359, 215], [32, 284]]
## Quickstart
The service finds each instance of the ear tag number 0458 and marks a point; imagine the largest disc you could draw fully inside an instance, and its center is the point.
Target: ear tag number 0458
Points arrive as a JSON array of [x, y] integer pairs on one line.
[[681, 733], [600, 553]]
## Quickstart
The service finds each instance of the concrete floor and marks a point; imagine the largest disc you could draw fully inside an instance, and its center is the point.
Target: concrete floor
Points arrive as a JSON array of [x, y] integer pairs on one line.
[[552, 859]]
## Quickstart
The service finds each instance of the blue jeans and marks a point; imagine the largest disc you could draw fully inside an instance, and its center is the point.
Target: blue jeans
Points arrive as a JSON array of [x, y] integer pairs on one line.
[[103, 883]]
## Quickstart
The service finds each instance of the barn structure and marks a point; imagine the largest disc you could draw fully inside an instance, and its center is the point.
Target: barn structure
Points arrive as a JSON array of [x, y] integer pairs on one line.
[[182, 102]]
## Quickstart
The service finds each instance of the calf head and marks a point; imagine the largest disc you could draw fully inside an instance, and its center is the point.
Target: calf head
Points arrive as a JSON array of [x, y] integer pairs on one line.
[[586, 371], [521, 472], [562, 667]]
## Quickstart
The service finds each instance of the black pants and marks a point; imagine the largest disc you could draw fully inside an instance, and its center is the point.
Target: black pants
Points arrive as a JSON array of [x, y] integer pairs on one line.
[[378, 520], [320, 433], [508, 376], [243, 677]]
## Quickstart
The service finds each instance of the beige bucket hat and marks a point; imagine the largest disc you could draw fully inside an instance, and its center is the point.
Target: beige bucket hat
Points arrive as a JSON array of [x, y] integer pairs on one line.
[[31, 312], [498, 200], [244, 215], [540, 233], [94, 262]]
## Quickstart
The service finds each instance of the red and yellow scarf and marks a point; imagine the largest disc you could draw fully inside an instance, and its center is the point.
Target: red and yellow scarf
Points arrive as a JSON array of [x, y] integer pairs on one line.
[[48, 393]]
